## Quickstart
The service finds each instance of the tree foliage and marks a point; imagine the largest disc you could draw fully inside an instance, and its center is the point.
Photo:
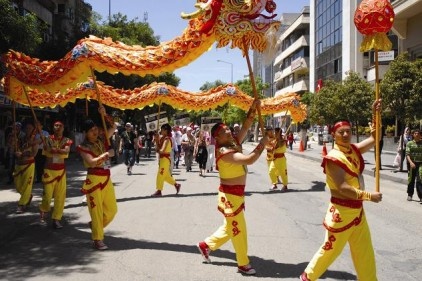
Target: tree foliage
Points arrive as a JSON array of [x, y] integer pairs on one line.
[[322, 110], [131, 32], [20, 33], [401, 89], [350, 99], [358, 96]]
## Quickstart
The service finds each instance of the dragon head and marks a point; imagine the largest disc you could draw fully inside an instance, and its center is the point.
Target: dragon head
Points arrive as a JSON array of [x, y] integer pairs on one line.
[[239, 22]]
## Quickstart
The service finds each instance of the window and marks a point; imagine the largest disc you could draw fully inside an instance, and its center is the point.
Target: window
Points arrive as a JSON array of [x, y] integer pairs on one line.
[[61, 9]]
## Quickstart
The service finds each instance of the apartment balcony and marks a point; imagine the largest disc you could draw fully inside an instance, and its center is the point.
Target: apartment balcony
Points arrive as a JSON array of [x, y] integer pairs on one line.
[[298, 87], [299, 43], [404, 10], [298, 66]]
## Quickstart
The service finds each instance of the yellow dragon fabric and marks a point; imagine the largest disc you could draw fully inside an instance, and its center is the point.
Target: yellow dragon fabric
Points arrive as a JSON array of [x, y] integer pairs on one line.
[[241, 23]]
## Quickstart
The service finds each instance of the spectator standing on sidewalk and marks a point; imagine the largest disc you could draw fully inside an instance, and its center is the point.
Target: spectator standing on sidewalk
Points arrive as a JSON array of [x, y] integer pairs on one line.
[[127, 147], [137, 145], [164, 145], [98, 187], [345, 220], [56, 150], [201, 153], [177, 134], [290, 140], [174, 153], [231, 163], [148, 143], [404, 139], [23, 174], [188, 145], [115, 144], [414, 157]]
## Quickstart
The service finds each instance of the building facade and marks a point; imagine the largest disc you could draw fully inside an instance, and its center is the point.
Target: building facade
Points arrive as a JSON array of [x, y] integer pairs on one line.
[[335, 40], [291, 65], [63, 19]]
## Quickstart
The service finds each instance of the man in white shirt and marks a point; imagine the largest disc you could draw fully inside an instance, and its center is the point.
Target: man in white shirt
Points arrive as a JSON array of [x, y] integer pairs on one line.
[[177, 136], [174, 153], [188, 144]]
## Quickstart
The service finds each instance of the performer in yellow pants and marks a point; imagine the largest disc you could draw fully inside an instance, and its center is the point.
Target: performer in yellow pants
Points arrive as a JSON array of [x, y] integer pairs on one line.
[[23, 176], [56, 149], [101, 200], [278, 166], [231, 204], [164, 145], [23, 179], [349, 226], [231, 165], [345, 221], [98, 187], [269, 132]]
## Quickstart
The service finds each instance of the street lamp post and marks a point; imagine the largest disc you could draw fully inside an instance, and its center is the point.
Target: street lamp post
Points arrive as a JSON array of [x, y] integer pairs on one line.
[[231, 67], [109, 11]]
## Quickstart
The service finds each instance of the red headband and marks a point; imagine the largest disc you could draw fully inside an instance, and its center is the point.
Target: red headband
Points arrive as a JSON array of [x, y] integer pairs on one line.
[[340, 124], [217, 131]]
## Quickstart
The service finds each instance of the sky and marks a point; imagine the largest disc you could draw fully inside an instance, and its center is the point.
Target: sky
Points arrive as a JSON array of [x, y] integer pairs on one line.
[[164, 18]]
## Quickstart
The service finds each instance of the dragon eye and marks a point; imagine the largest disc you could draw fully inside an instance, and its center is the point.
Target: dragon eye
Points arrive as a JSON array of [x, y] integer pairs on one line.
[[270, 6]]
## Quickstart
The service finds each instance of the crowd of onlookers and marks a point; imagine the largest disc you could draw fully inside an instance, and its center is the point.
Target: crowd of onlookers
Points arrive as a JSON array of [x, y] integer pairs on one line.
[[190, 145]]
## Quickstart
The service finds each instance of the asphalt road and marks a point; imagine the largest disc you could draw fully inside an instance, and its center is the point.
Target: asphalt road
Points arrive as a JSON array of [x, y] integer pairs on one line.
[[155, 238]]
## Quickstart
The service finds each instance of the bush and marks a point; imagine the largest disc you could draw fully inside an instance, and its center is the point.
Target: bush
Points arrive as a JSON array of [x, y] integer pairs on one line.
[[364, 130]]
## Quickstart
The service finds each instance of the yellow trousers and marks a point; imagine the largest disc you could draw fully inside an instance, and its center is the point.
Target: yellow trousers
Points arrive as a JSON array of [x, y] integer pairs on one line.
[[342, 223], [23, 177], [54, 181], [278, 167], [101, 202], [233, 228], [163, 174]]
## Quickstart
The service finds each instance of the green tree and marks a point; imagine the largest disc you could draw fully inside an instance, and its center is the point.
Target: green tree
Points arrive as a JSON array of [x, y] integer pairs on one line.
[[416, 94], [307, 99], [131, 32], [20, 33], [401, 89], [325, 104], [350, 99], [358, 96]]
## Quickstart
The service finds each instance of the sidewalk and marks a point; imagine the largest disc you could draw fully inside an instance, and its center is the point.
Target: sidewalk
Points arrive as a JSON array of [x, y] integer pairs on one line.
[[388, 172]]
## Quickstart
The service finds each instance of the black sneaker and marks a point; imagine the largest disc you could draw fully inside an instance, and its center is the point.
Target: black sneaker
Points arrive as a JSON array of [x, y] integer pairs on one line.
[[273, 188], [20, 210], [57, 224], [99, 245]]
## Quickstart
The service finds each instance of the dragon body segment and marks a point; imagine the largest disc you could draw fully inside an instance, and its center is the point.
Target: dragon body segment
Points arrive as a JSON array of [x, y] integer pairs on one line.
[[239, 22], [157, 93]]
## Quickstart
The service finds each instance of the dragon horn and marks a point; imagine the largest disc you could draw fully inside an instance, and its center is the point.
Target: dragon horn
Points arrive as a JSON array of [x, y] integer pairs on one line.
[[271, 45]]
